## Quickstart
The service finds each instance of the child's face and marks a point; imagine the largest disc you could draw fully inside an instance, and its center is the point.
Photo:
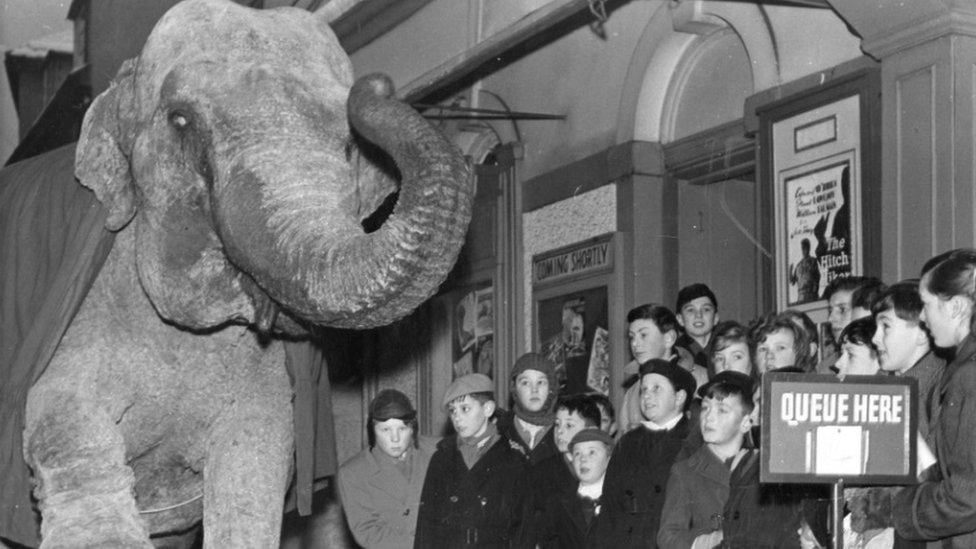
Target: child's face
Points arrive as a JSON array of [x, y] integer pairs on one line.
[[393, 436], [839, 311], [469, 416], [607, 424], [698, 317], [856, 360], [735, 357], [565, 428], [659, 402], [776, 351], [532, 389], [647, 341], [723, 419], [590, 460], [898, 341]]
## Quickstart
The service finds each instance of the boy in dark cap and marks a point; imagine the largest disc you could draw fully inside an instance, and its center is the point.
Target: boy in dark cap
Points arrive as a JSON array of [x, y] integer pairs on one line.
[[475, 488], [380, 486], [697, 313], [634, 489], [576, 519], [534, 390]]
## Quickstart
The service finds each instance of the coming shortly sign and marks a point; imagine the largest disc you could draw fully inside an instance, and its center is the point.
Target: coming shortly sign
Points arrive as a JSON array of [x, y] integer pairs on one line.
[[819, 429]]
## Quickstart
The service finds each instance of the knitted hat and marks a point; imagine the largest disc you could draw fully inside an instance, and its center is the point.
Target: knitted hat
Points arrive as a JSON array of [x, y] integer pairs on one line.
[[534, 361], [467, 384], [692, 292], [740, 381], [680, 379], [389, 404], [590, 434]]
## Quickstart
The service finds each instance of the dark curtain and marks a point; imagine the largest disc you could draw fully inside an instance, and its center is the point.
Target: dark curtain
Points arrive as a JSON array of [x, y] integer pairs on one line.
[[52, 245]]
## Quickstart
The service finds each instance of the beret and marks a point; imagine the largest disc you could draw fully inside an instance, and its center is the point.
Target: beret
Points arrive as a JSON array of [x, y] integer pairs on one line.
[[680, 379], [742, 382], [590, 434]]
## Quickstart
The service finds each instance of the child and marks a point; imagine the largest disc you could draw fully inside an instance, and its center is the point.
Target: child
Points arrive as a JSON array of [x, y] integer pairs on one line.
[[637, 476], [652, 331], [839, 294], [858, 355], [729, 348], [904, 348], [534, 391], [576, 519], [554, 476], [474, 491], [608, 416], [699, 486], [697, 312]]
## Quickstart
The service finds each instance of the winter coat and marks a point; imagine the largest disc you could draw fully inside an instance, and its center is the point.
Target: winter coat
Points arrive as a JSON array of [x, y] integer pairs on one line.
[[545, 448], [696, 495], [944, 506], [379, 502], [478, 507], [636, 483], [760, 516], [928, 371], [551, 477], [565, 526]]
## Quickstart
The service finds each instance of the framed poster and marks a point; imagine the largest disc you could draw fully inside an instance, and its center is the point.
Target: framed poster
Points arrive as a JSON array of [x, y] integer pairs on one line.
[[573, 333], [472, 337], [821, 156]]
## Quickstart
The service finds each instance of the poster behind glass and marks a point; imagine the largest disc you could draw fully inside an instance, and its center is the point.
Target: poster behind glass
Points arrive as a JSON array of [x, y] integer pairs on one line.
[[473, 334], [573, 334]]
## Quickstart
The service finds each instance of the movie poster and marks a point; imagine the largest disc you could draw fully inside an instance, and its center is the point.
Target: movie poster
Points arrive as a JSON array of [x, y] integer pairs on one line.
[[818, 231], [573, 334], [473, 332]]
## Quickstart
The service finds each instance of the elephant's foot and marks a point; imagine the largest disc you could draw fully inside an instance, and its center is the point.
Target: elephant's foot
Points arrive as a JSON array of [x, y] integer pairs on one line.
[[94, 521], [83, 485]]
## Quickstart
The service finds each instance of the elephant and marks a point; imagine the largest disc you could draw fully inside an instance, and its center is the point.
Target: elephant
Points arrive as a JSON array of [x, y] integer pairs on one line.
[[229, 158]]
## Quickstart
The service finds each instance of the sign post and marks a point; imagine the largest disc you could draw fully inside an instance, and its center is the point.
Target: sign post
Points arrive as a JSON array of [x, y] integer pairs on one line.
[[819, 429]]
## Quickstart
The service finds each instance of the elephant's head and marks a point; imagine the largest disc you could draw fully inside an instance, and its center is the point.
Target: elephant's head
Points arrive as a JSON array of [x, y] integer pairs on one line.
[[226, 147]]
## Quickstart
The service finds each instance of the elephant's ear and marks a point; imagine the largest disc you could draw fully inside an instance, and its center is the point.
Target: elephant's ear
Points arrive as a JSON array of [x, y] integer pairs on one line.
[[101, 158]]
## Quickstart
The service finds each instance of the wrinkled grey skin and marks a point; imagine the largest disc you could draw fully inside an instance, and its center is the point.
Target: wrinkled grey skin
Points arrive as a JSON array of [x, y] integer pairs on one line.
[[223, 157]]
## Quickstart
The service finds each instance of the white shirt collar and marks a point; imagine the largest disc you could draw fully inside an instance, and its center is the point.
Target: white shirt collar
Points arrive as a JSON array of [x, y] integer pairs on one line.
[[665, 427], [592, 491]]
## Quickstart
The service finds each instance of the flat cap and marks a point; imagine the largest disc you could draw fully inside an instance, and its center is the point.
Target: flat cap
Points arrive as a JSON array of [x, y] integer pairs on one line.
[[467, 384]]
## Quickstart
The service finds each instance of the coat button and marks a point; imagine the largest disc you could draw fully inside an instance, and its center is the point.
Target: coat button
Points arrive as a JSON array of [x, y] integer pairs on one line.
[[735, 515], [657, 489], [454, 499]]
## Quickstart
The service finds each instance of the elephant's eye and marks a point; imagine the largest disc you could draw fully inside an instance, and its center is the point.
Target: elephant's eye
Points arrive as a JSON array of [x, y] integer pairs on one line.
[[179, 120]]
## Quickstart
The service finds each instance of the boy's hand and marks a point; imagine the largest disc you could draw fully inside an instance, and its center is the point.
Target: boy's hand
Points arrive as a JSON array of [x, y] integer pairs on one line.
[[708, 541]]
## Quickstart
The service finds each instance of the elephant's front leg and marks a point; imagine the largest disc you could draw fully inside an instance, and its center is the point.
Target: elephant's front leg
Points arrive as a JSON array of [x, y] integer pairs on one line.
[[246, 474], [83, 485]]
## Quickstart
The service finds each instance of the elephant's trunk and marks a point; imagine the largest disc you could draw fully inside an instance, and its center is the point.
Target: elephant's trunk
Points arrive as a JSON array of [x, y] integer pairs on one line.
[[334, 274]]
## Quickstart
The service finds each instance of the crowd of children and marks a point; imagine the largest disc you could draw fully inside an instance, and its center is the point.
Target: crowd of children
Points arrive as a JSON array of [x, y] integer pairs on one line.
[[683, 470]]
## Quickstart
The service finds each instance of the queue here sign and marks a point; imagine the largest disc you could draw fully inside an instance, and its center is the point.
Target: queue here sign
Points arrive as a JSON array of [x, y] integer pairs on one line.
[[819, 429]]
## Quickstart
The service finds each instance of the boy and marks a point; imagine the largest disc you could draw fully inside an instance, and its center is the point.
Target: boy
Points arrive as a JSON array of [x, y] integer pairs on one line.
[[839, 294], [697, 312], [904, 347], [529, 424], [554, 476], [634, 489], [652, 331], [608, 415], [474, 491], [699, 486], [575, 519]]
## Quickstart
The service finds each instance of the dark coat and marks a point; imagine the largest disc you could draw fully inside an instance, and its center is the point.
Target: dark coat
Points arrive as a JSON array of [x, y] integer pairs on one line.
[[545, 449], [928, 371], [944, 506], [636, 483], [696, 494], [760, 516], [565, 526], [480, 507], [550, 478]]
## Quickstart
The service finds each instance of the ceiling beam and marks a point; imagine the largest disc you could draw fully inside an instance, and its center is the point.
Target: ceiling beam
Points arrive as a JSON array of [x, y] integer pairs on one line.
[[359, 22]]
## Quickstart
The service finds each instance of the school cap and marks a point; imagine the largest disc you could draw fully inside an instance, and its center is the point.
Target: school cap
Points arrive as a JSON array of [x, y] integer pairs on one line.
[[680, 379], [533, 361], [740, 381], [591, 434], [692, 292], [389, 404], [467, 384]]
